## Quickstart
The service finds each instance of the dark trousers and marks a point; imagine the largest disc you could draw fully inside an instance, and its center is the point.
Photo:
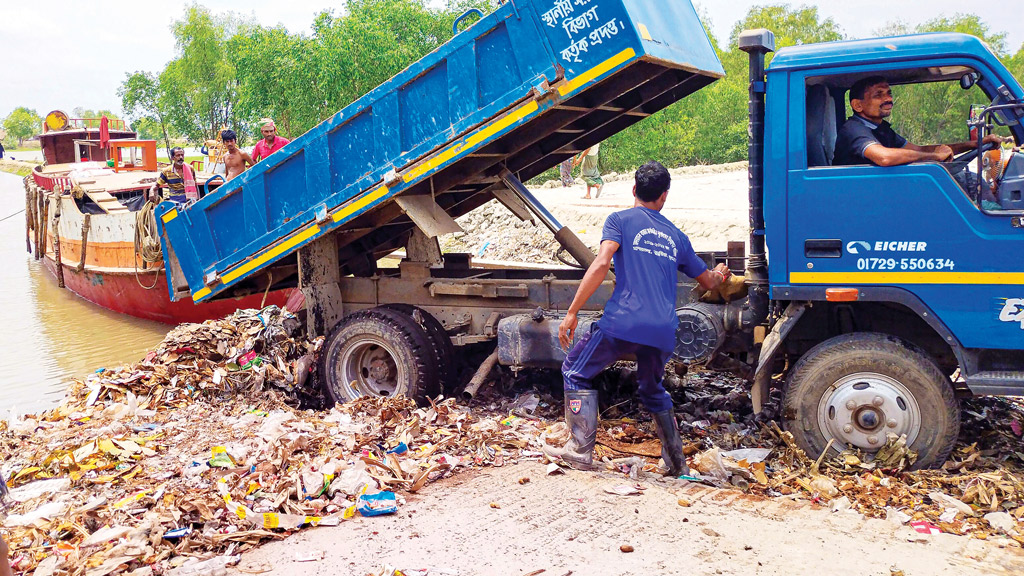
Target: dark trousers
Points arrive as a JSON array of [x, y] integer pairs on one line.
[[596, 350]]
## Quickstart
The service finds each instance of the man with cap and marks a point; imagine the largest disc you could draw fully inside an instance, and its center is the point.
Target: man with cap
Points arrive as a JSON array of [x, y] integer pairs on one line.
[[270, 143]]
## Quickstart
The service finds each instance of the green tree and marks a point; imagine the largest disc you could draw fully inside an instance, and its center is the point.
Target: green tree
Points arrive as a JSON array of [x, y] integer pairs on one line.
[[198, 89], [22, 123], [140, 98], [937, 112], [302, 80], [710, 126]]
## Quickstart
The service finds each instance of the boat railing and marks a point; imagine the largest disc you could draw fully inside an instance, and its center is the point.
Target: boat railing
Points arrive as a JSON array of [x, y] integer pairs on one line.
[[89, 123], [52, 183]]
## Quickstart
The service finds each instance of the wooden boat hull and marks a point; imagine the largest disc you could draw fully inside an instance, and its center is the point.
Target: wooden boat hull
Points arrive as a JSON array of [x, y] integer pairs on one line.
[[99, 262], [123, 293]]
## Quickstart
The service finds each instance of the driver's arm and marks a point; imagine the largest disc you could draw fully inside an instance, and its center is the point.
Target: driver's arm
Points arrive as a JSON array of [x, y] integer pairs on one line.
[[884, 156]]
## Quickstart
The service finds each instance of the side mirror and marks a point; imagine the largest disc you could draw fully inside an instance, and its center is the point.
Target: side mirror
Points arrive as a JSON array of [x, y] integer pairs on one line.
[[969, 80]]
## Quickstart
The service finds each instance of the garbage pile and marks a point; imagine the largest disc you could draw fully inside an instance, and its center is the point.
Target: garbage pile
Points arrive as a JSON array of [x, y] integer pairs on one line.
[[176, 464], [978, 492]]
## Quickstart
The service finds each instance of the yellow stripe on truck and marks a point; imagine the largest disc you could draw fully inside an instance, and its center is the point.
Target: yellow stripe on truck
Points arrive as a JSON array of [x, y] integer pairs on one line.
[[287, 245], [361, 203], [906, 278], [477, 137], [516, 115], [596, 71], [200, 294], [170, 216]]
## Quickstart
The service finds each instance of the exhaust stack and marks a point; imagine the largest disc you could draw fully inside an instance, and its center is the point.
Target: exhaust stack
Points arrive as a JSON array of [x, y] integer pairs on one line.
[[756, 43]]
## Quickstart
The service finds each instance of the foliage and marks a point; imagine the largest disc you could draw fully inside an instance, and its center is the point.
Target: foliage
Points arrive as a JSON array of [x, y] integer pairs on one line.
[[710, 127], [301, 81], [140, 98], [198, 89], [937, 112], [22, 123]]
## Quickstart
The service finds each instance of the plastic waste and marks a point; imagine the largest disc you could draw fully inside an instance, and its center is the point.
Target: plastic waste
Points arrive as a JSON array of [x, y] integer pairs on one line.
[[377, 504]]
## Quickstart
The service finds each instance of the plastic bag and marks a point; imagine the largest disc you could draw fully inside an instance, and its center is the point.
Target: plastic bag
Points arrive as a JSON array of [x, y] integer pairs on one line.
[[377, 504]]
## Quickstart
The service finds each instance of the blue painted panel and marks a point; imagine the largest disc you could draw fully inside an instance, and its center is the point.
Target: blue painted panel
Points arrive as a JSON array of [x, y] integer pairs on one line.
[[228, 236], [423, 106], [287, 193], [462, 82], [492, 51], [930, 223], [584, 33], [672, 27], [353, 149]]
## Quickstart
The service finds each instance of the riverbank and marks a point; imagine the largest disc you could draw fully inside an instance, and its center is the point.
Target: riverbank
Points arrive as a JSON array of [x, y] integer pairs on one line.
[[16, 167]]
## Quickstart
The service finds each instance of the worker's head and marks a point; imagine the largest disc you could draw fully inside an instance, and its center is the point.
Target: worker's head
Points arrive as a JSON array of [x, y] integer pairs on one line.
[[229, 138], [268, 129], [178, 155], [871, 98], [651, 182]]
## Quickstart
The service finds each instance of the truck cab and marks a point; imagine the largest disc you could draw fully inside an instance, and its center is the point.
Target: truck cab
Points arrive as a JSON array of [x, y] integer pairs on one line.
[[894, 290]]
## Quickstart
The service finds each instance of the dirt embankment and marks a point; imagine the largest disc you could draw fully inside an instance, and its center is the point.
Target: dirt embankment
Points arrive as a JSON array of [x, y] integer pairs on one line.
[[709, 203], [16, 167]]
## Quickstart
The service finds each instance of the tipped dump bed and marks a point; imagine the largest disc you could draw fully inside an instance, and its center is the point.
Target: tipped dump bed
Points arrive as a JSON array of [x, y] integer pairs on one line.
[[524, 88]]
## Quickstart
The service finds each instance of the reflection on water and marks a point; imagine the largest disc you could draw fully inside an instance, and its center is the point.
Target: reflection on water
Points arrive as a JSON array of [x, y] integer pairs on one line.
[[49, 335]]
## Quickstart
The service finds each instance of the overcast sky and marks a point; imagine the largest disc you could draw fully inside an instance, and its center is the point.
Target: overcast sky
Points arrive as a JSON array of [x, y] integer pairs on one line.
[[60, 54]]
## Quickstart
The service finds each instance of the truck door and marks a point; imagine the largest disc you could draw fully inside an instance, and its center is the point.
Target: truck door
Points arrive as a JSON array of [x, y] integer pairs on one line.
[[910, 230]]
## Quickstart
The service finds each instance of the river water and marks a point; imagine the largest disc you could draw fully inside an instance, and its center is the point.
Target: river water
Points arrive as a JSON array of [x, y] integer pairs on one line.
[[50, 335]]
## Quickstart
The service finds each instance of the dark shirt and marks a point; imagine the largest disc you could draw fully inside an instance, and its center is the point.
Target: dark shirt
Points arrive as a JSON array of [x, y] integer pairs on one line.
[[642, 308], [857, 134]]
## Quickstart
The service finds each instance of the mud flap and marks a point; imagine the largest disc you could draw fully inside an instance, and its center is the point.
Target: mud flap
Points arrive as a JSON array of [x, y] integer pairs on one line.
[[759, 391]]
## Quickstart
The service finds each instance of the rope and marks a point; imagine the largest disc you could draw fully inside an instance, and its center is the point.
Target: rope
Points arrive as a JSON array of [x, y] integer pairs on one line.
[[12, 215], [147, 241]]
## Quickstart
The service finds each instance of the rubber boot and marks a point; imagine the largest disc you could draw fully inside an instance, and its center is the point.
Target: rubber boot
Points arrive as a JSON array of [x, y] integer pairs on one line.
[[581, 416], [671, 443]]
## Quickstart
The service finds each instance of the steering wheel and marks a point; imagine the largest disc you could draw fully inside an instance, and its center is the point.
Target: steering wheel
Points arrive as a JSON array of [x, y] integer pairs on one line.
[[973, 152]]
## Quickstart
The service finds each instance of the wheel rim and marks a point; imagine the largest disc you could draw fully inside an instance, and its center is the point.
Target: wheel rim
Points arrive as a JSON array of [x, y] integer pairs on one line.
[[368, 368], [861, 409]]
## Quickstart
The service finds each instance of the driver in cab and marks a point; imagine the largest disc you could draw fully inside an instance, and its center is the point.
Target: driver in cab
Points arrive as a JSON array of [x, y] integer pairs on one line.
[[867, 138]]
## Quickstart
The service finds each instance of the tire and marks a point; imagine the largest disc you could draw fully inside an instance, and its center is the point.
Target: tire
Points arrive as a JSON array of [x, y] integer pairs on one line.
[[378, 352], [444, 351], [856, 388]]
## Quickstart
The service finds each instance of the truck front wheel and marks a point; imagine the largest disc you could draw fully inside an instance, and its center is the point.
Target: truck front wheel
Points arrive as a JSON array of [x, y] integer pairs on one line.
[[378, 352], [858, 388]]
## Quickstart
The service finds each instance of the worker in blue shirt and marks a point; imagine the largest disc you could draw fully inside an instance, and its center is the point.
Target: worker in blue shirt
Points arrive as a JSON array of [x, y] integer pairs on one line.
[[639, 319]]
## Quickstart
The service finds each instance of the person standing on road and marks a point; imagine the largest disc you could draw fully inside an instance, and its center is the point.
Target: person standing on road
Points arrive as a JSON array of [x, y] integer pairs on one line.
[[270, 143], [235, 159], [1, 150], [565, 172], [639, 318], [591, 171]]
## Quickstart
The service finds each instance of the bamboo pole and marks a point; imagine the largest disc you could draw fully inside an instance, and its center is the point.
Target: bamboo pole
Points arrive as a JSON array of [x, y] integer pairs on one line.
[[56, 244], [86, 224]]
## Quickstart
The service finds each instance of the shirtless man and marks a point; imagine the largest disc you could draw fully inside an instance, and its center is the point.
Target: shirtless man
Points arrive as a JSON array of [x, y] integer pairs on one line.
[[236, 160]]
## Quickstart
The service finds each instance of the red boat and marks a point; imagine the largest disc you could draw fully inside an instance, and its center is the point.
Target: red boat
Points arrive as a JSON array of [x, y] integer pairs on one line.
[[83, 210]]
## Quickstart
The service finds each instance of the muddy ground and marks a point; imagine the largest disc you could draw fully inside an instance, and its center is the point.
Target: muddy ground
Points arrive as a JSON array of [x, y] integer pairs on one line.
[[516, 520], [488, 523]]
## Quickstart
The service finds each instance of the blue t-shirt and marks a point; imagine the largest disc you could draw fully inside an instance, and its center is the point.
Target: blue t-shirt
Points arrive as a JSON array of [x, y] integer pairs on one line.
[[642, 308]]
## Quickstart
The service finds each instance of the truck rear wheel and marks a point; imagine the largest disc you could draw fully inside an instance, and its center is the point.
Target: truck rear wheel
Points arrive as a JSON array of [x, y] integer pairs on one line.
[[857, 388], [444, 351], [378, 352]]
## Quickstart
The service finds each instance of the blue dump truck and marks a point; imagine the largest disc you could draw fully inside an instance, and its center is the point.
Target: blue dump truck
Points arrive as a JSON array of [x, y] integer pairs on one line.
[[890, 292]]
